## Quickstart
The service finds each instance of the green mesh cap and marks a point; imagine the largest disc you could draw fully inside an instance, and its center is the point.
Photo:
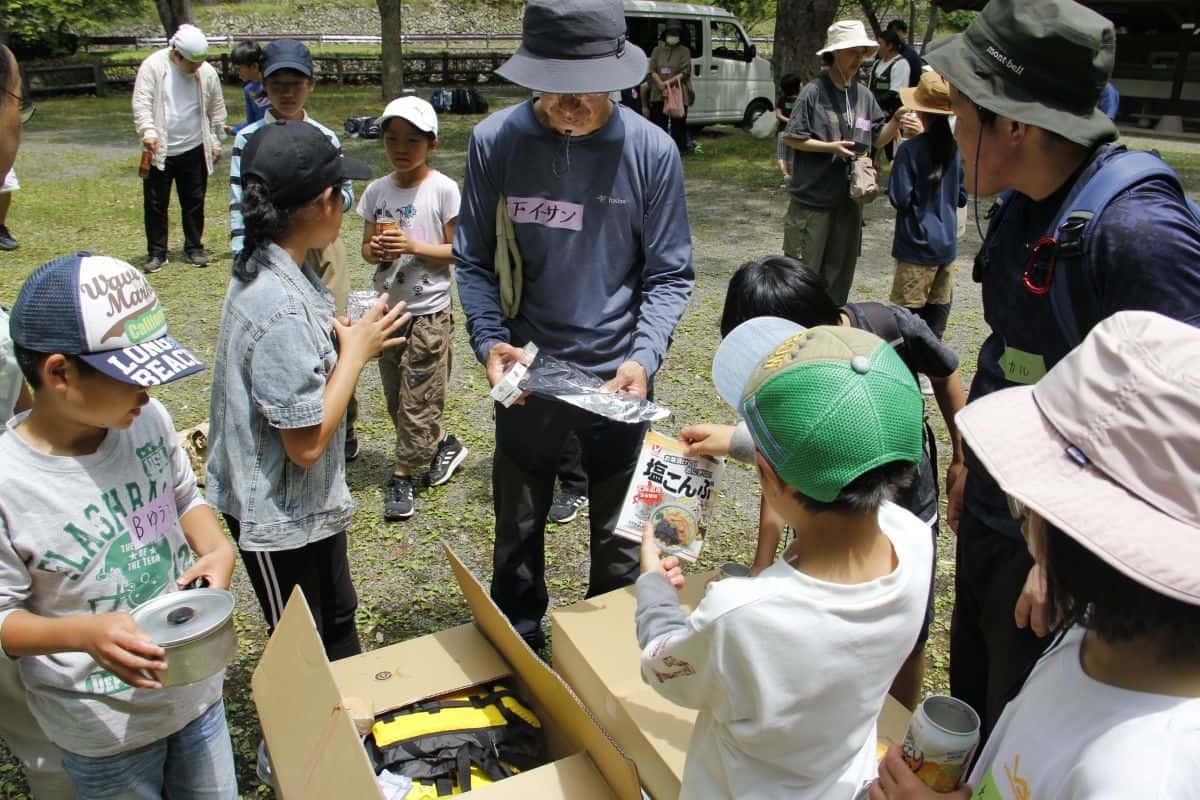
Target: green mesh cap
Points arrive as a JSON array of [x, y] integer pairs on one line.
[[830, 403]]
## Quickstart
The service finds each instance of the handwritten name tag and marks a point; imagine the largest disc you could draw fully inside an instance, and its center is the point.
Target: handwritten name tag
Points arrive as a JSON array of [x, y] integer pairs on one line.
[[863, 124], [152, 521], [545, 212]]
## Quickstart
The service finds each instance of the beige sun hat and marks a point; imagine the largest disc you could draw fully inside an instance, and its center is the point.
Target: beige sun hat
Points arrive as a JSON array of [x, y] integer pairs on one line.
[[845, 34], [1106, 447], [931, 94]]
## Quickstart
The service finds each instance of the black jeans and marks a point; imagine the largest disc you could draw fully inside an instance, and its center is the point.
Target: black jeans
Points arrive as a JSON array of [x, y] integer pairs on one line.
[[570, 467], [990, 657], [677, 128], [322, 570], [529, 440], [190, 175]]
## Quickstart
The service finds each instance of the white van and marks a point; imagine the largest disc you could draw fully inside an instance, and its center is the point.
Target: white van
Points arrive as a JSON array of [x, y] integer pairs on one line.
[[732, 83]]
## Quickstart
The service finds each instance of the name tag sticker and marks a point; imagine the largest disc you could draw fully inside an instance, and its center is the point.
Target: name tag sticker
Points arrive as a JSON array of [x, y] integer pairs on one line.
[[1021, 367], [152, 521], [665, 70], [546, 212], [863, 124]]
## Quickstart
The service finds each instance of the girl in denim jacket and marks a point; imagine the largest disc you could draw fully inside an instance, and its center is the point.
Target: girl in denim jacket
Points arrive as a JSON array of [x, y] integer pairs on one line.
[[284, 372]]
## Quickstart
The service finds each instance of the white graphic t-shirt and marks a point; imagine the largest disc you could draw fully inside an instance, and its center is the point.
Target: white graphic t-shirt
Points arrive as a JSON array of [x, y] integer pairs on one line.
[[422, 213], [90, 535], [1067, 736]]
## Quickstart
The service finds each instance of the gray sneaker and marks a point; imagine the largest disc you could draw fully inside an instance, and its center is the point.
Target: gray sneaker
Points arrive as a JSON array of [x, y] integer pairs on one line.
[[197, 258], [398, 498], [7, 242], [154, 264]]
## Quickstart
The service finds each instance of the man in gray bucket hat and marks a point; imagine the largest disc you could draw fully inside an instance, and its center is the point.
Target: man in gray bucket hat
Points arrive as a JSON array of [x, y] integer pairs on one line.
[[1024, 81], [573, 235]]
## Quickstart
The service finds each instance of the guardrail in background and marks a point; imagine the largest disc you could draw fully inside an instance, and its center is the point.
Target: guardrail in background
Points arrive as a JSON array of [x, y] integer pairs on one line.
[[444, 68], [488, 39]]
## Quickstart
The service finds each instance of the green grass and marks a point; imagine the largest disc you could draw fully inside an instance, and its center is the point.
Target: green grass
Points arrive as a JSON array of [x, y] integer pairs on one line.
[[80, 192]]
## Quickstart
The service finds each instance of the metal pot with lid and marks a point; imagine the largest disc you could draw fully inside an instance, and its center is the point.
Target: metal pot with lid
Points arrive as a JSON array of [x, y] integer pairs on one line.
[[195, 628]]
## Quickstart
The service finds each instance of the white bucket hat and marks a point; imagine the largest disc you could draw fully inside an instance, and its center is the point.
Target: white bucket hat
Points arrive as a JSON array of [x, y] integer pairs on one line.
[[845, 34], [1106, 447]]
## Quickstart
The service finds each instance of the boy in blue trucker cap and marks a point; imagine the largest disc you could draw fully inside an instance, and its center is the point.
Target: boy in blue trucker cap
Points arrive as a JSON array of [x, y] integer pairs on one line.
[[789, 669], [99, 514]]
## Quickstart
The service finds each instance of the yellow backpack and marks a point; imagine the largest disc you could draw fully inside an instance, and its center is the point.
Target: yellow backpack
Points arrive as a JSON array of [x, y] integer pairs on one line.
[[450, 744]]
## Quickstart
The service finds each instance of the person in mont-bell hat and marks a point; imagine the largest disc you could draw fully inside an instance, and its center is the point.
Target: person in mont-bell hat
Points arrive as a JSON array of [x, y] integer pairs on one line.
[[1024, 81], [573, 235]]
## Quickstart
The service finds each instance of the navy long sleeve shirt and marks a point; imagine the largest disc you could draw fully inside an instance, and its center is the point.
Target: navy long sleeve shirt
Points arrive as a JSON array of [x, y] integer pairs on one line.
[[601, 224], [926, 215]]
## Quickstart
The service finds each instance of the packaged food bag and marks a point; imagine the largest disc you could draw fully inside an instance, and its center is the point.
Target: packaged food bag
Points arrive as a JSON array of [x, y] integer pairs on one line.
[[674, 493]]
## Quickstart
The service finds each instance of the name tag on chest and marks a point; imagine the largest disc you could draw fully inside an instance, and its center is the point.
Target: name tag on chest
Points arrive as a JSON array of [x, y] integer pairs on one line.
[[1022, 367], [152, 521], [863, 124], [546, 212]]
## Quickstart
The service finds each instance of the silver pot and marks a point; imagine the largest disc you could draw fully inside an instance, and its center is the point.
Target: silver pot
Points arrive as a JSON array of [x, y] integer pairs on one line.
[[195, 628]]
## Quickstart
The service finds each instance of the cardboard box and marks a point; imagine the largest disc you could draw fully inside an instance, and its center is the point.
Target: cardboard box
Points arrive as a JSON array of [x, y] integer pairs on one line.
[[316, 752], [596, 651]]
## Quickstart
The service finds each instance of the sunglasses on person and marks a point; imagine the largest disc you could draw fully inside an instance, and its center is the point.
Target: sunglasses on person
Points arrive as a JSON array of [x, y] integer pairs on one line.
[[25, 105]]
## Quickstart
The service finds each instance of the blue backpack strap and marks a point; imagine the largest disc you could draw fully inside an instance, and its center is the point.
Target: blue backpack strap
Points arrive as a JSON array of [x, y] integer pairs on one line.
[[1073, 301]]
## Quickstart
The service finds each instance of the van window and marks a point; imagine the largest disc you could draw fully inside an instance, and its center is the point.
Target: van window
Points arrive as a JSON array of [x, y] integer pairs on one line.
[[647, 33], [728, 42]]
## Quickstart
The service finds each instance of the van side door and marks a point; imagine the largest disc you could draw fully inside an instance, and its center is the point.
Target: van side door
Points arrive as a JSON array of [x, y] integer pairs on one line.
[[729, 69]]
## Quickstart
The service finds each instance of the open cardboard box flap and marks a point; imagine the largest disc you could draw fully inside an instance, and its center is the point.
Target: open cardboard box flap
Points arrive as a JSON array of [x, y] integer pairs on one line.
[[596, 652], [317, 753]]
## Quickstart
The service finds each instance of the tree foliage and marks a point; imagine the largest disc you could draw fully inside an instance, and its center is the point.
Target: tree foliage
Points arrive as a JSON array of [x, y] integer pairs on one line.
[[50, 27], [752, 13]]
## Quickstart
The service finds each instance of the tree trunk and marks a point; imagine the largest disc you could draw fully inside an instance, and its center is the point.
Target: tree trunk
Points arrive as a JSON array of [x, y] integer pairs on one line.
[[868, 9], [930, 29], [391, 51], [799, 33], [173, 13]]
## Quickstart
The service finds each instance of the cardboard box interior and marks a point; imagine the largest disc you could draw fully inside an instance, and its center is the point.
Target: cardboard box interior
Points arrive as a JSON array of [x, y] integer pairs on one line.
[[305, 705], [596, 651]]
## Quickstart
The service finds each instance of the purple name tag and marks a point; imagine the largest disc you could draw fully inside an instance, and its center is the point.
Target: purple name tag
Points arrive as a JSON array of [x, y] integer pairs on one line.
[[545, 212], [152, 521], [863, 124]]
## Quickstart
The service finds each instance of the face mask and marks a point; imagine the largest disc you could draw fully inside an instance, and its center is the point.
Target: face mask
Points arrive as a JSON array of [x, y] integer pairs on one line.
[[672, 40]]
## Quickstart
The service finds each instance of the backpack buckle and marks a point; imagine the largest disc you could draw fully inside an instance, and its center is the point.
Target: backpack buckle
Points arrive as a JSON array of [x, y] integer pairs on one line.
[[1070, 234]]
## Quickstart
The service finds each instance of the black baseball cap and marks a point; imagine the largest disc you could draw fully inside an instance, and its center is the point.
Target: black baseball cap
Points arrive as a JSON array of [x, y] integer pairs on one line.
[[296, 162], [286, 54]]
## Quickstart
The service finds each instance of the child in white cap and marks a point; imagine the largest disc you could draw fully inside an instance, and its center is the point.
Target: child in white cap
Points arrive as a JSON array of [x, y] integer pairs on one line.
[[408, 224]]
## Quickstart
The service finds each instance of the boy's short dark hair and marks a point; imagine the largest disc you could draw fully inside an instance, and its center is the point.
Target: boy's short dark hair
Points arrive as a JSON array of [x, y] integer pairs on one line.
[[895, 25], [31, 362], [246, 53], [790, 84], [867, 492], [777, 286], [1087, 591]]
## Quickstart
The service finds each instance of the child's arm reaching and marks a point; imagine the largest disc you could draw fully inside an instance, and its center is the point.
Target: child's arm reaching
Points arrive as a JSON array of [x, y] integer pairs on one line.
[[676, 657]]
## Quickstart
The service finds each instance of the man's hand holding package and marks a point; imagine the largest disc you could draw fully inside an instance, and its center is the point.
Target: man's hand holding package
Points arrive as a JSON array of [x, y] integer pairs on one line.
[[631, 379]]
